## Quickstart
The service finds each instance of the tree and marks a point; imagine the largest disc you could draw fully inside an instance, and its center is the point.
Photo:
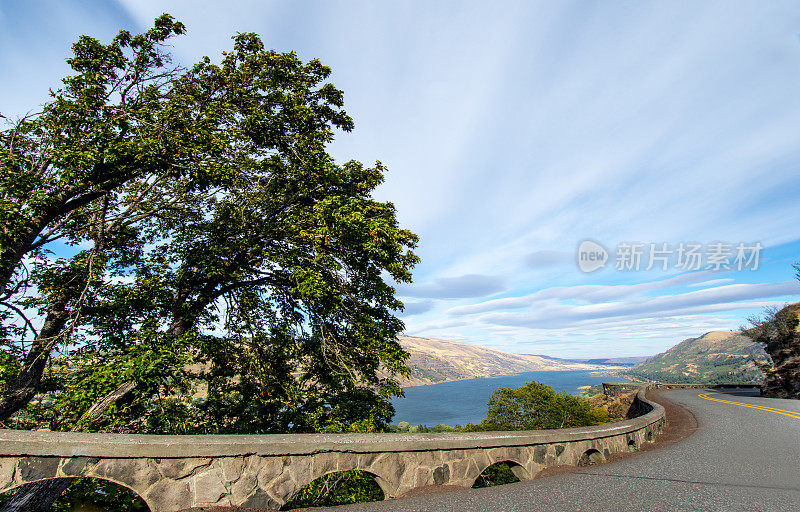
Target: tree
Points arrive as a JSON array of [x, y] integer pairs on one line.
[[238, 278], [537, 406], [110, 128], [777, 331]]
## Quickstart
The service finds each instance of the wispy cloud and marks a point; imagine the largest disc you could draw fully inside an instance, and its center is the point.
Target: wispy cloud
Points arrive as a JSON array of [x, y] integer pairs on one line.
[[542, 259], [514, 130], [551, 314], [713, 282], [469, 285], [593, 294], [416, 307]]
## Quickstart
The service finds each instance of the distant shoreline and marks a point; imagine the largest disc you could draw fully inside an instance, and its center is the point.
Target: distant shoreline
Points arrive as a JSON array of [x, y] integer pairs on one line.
[[611, 373]]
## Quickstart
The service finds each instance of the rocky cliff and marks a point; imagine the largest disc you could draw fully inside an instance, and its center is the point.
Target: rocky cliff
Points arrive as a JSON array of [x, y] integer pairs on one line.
[[779, 334]]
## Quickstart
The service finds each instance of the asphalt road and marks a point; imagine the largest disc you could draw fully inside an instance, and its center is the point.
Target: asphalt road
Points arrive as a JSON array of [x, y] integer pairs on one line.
[[739, 459]]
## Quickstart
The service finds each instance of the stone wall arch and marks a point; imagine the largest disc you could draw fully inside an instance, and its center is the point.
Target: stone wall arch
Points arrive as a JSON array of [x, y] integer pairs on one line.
[[518, 456], [519, 471], [18, 471], [388, 468], [377, 479], [385, 468], [591, 457]]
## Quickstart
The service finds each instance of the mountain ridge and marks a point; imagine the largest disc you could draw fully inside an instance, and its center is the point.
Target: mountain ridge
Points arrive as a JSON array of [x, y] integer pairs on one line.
[[433, 361], [714, 357]]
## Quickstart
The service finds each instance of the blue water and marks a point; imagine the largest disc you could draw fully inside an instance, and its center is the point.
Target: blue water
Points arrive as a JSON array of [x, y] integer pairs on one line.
[[464, 401]]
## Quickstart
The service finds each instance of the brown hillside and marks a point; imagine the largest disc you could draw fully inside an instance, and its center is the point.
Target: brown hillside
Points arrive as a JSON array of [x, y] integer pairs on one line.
[[434, 360]]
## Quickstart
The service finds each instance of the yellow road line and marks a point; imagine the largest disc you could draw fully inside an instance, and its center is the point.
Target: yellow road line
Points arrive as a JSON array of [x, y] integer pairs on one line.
[[791, 414]]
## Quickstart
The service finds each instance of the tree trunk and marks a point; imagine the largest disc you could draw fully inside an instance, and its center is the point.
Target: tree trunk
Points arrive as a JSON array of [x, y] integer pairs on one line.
[[98, 410], [61, 204], [44, 493], [11, 255], [40, 496], [37, 496], [24, 387]]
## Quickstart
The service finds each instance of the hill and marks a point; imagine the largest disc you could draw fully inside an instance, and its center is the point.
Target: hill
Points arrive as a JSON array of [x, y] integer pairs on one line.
[[779, 333], [621, 361], [716, 357], [433, 361]]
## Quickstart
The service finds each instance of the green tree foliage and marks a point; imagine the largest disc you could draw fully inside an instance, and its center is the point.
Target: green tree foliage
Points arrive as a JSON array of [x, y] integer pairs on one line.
[[82, 172], [537, 406], [91, 492], [231, 258], [222, 273], [405, 428]]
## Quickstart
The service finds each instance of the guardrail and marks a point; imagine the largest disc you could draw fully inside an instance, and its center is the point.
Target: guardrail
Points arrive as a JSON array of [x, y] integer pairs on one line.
[[173, 473]]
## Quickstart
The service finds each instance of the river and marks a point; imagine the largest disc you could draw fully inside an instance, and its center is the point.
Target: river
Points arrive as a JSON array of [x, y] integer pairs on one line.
[[464, 401]]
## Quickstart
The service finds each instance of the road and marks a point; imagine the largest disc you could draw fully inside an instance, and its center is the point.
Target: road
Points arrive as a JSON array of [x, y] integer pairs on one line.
[[741, 458]]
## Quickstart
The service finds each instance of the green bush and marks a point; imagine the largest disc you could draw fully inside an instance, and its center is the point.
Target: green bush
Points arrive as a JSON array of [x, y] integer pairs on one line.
[[339, 488], [101, 494], [537, 406], [496, 474]]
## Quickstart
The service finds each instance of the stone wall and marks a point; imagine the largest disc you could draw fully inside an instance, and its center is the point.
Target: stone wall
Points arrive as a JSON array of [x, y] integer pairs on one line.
[[621, 388], [172, 473]]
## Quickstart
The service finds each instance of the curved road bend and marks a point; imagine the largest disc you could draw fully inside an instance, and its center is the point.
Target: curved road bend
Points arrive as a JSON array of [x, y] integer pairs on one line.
[[741, 458]]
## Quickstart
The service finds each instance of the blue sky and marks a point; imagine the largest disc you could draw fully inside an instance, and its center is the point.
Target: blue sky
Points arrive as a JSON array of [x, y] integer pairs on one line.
[[515, 130]]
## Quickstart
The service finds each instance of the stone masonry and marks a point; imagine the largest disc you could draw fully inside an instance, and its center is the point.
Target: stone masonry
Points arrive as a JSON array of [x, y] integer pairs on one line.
[[172, 473]]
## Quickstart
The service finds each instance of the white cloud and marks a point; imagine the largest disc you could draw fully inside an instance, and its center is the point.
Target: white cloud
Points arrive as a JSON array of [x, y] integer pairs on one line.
[[712, 282], [416, 307], [583, 293], [468, 285], [548, 311], [514, 130]]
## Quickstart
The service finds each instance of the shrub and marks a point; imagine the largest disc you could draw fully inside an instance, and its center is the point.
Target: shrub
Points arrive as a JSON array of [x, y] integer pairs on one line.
[[340, 488], [537, 406]]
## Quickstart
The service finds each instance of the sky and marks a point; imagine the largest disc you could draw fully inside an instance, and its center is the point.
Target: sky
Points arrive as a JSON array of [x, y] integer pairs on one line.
[[515, 131]]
